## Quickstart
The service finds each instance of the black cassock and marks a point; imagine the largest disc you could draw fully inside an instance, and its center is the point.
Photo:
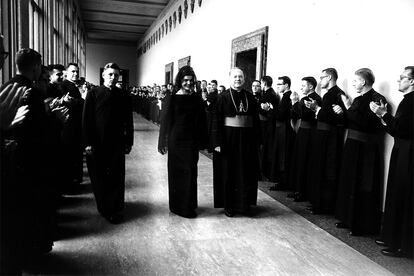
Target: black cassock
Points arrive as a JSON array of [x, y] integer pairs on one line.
[[327, 143], [27, 182], [267, 128], [108, 128], [398, 226], [301, 156], [239, 151], [184, 130], [72, 137], [210, 109], [281, 148], [359, 187]]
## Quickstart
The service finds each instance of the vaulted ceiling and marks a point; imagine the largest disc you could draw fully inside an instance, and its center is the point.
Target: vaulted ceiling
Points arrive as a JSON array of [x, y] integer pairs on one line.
[[120, 21]]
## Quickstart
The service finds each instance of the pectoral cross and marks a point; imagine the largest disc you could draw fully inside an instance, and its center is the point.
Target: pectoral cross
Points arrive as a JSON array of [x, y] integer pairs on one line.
[[241, 107]]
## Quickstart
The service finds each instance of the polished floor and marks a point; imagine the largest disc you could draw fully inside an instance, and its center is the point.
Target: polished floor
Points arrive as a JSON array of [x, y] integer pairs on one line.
[[152, 241]]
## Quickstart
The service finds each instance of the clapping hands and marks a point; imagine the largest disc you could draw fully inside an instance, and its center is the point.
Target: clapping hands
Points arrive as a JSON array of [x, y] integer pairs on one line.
[[379, 109], [312, 105], [266, 106]]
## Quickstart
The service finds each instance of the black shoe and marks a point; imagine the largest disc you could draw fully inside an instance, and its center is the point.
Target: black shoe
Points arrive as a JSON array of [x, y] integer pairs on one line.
[[190, 215], [380, 242], [273, 188], [391, 252], [277, 187], [292, 195], [299, 198], [42, 249], [355, 233], [114, 219], [341, 225], [72, 191], [229, 213]]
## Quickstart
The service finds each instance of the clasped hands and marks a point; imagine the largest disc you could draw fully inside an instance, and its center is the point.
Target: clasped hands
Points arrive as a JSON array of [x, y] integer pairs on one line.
[[266, 106]]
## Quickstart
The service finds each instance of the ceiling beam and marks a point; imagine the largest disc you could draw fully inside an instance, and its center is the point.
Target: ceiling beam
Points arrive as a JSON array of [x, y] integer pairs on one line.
[[110, 42], [160, 3], [113, 36], [116, 23], [120, 13], [118, 18], [114, 31], [114, 27], [122, 7]]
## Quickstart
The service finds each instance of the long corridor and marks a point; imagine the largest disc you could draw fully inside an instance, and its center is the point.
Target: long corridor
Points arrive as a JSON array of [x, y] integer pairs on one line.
[[152, 241]]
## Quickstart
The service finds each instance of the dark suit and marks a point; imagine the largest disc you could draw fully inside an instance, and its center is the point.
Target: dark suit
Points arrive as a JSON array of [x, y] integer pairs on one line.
[[108, 128]]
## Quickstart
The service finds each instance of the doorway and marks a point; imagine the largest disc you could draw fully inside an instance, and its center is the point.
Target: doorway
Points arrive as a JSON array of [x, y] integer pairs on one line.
[[249, 52], [169, 77], [247, 62]]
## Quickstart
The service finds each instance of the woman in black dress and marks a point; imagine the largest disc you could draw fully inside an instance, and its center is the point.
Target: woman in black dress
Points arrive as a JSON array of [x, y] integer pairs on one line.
[[183, 133]]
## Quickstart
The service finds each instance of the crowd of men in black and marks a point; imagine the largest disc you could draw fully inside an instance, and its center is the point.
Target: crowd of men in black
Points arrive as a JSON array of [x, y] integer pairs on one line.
[[51, 120], [329, 150]]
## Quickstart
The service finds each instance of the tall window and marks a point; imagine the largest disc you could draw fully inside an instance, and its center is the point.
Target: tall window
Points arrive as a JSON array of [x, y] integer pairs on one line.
[[52, 27]]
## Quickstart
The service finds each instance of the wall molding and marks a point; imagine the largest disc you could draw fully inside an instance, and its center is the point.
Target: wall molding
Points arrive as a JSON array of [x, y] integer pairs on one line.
[[166, 22], [256, 39]]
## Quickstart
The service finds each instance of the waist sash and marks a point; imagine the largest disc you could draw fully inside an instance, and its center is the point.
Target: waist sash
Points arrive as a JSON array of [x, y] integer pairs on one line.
[[280, 123], [262, 118], [305, 124], [400, 143], [324, 126], [359, 135], [239, 121]]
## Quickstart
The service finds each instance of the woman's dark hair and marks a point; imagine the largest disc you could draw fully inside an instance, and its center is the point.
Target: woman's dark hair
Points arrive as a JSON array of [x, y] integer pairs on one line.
[[184, 71]]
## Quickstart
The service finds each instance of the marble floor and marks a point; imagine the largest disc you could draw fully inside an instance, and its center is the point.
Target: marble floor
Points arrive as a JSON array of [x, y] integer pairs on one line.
[[152, 241]]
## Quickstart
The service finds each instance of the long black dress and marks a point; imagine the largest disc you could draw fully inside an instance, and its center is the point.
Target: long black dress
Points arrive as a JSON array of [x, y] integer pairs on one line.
[[239, 151], [359, 190], [108, 128], [301, 151], [184, 130], [398, 226]]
